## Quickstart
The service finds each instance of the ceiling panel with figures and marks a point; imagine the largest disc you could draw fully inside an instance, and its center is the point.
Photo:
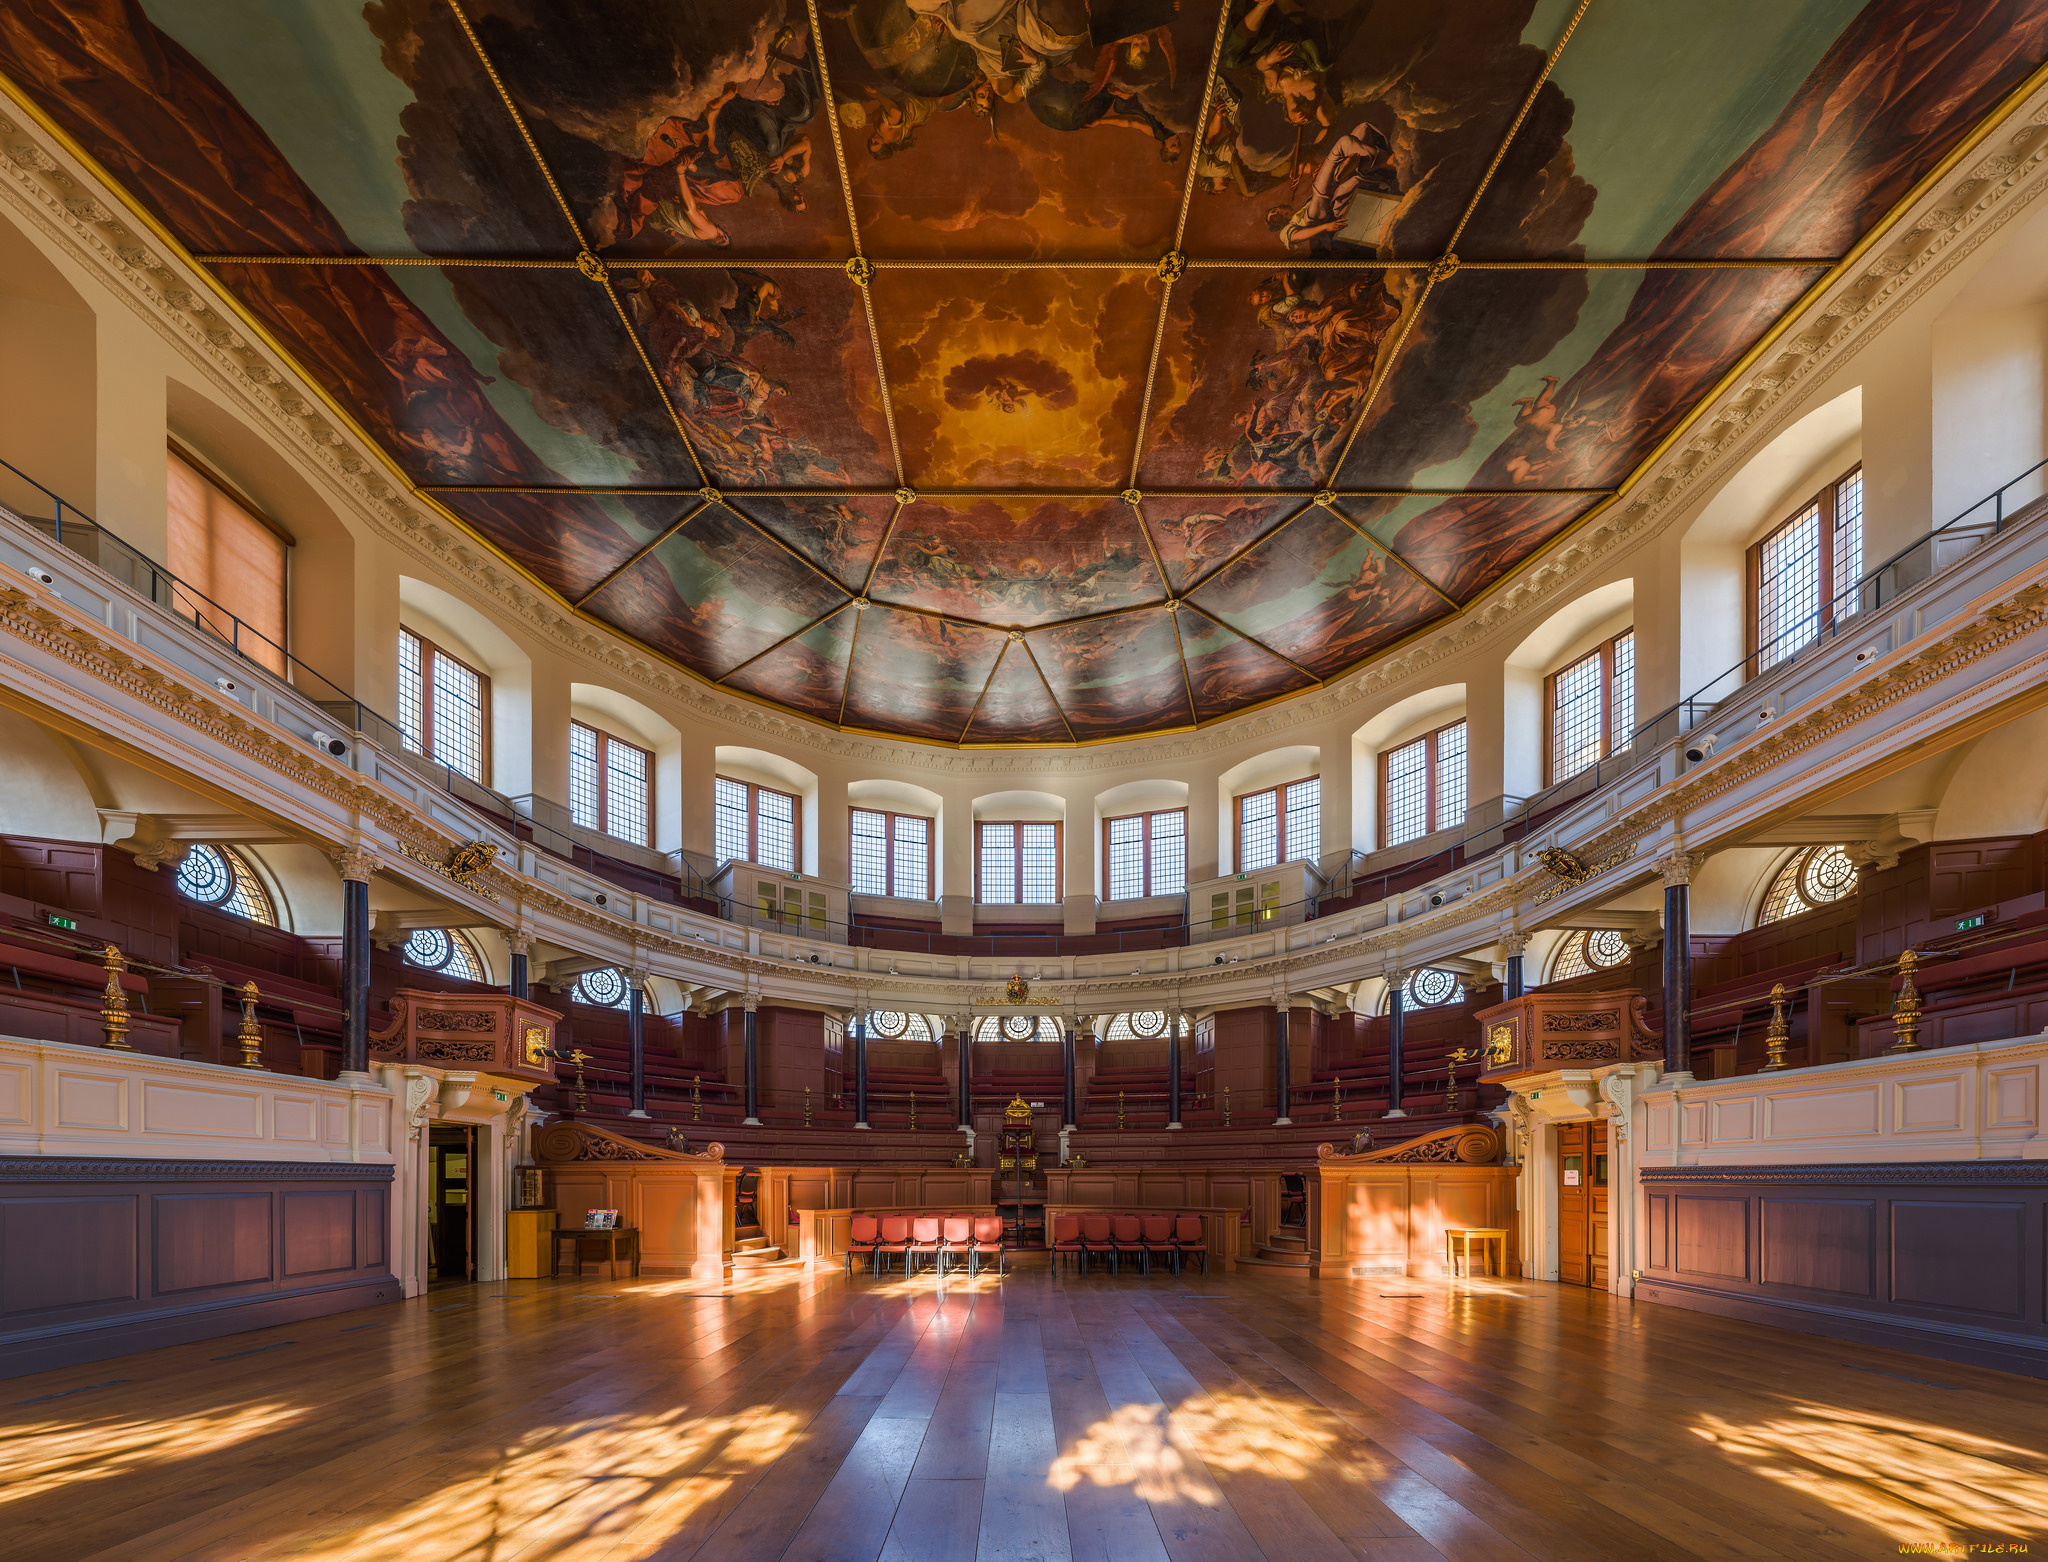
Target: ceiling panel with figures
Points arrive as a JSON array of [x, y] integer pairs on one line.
[[1018, 371]]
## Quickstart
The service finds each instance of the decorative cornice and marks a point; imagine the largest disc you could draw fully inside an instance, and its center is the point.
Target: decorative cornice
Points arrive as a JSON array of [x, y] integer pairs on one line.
[[1920, 244]]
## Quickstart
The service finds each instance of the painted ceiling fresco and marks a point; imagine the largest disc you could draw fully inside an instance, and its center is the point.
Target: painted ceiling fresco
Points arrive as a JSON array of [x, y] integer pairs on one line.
[[1018, 371]]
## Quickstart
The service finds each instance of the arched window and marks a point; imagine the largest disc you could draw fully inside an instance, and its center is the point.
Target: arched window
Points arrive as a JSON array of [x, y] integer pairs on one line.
[[1430, 988], [1017, 1027], [447, 951], [892, 1026], [604, 988], [1581, 952], [1814, 877], [217, 876], [1142, 1026]]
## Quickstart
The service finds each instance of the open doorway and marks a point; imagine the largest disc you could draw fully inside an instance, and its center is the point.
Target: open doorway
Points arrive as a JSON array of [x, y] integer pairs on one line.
[[1582, 1204], [451, 1204]]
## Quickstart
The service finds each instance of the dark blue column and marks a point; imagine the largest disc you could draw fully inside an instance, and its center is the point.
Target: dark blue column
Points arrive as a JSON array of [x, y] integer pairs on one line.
[[1396, 1043], [860, 1070], [1677, 975], [355, 977], [1514, 981], [963, 1115], [1281, 1119], [1173, 1019], [520, 986], [752, 1056], [1067, 1080], [636, 1039]]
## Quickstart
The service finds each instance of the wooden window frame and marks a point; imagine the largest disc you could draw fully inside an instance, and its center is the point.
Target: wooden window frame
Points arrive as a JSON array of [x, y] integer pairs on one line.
[[931, 853], [429, 651], [1605, 651], [1145, 854], [1386, 755], [796, 824], [1059, 858], [1827, 498], [605, 740], [1280, 820]]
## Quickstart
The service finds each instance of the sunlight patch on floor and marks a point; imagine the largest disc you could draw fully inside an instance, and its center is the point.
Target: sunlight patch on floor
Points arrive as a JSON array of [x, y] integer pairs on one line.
[[1910, 1479], [41, 1456]]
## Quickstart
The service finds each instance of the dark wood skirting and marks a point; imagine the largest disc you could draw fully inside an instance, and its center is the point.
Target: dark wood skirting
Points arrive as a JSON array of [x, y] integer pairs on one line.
[[1942, 1258], [103, 1256]]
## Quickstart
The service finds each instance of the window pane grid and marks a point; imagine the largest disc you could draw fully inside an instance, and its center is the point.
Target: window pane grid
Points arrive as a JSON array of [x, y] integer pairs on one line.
[[774, 830], [870, 852], [1127, 858], [999, 864], [912, 857], [1848, 544], [458, 717], [1169, 867], [1575, 722], [1304, 834], [1621, 723], [1258, 831], [1450, 777], [1788, 589], [583, 795], [411, 707], [1041, 864], [730, 808], [625, 791], [1408, 792]]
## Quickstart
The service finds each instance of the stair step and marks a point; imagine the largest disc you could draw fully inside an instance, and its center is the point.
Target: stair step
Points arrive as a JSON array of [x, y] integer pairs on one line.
[[752, 1244], [1266, 1258], [754, 1257]]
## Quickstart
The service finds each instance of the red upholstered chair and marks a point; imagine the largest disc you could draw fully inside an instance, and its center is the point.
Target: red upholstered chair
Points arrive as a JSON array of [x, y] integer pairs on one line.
[[988, 1242], [956, 1241], [1159, 1239], [1188, 1239], [924, 1242], [1066, 1239], [1095, 1239], [895, 1239], [862, 1233], [1129, 1237]]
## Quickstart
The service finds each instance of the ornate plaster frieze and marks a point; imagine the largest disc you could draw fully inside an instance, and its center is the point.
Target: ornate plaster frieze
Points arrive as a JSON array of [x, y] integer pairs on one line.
[[1991, 185]]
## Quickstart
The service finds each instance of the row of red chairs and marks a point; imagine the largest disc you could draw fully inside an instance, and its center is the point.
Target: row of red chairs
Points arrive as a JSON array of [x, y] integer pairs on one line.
[[1112, 1236], [881, 1238]]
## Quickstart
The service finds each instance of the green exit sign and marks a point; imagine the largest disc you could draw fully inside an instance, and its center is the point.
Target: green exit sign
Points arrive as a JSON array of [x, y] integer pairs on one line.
[[1964, 924], [54, 920]]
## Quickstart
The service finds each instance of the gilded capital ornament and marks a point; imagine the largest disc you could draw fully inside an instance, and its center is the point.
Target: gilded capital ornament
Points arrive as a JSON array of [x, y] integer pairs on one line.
[[355, 864], [1677, 869]]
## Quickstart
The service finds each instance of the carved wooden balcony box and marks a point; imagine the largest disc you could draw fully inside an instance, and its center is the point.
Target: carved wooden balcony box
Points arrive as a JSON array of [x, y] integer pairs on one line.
[[491, 1033], [1540, 1033]]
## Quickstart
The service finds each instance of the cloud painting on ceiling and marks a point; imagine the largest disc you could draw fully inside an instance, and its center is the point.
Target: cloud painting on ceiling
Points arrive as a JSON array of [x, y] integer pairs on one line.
[[1148, 277]]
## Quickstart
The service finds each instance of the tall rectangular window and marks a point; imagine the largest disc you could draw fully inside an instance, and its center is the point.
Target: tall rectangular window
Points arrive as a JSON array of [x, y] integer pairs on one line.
[[892, 854], [442, 705], [610, 784], [1280, 824], [1592, 708], [1805, 575], [1146, 854], [1017, 864], [1422, 785], [230, 563], [755, 824]]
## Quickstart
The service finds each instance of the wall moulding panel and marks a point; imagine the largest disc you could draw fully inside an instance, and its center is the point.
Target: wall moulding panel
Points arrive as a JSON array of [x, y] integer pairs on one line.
[[64, 1100]]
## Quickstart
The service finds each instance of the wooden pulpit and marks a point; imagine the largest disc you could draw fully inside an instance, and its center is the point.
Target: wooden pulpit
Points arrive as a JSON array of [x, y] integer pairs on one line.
[[488, 1032], [1540, 1033]]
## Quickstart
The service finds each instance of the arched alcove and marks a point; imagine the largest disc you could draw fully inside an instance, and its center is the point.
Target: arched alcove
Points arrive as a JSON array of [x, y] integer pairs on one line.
[[1399, 723], [909, 800], [1578, 626], [622, 716], [49, 398], [759, 767], [1139, 798], [456, 626], [1276, 767]]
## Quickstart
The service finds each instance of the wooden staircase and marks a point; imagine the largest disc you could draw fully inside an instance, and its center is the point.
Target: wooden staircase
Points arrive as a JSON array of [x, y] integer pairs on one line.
[[751, 1250], [1282, 1250]]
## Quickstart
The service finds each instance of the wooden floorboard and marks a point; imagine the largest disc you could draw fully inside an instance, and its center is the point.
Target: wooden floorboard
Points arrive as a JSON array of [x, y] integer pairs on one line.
[[813, 1417]]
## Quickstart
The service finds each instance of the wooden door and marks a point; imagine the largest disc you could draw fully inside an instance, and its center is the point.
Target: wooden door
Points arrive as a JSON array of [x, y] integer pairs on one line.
[[1582, 1178], [1573, 1200]]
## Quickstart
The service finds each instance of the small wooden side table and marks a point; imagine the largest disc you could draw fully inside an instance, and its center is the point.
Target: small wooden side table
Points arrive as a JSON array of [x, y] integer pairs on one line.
[[576, 1236], [1458, 1242]]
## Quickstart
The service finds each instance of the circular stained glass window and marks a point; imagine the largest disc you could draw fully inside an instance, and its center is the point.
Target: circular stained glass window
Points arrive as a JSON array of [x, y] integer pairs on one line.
[[1151, 1023], [888, 1025], [430, 948], [205, 876], [1829, 875], [604, 988], [1019, 1027], [1430, 987], [1606, 948]]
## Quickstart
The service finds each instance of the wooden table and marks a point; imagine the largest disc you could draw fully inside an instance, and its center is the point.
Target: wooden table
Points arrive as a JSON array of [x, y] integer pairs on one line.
[[610, 1236], [1458, 1242]]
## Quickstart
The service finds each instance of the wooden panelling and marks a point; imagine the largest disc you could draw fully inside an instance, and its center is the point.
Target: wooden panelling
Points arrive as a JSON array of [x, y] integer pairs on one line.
[[1965, 875], [1389, 1218], [1941, 1257], [105, 1256], [1819, 1244]]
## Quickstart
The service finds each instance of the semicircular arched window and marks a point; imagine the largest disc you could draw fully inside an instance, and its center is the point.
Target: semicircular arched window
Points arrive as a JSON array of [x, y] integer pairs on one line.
[[603, 988], [892, 1025], [218, 876], [1600, 949], [446, 950], [1815, 877], [1142, 1026]]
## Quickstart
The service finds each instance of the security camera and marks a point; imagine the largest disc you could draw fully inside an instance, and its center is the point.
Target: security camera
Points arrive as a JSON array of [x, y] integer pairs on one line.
[[1444, 897], [815, 959], [329, 742], [44, 576], [1699, 750], [225, 685], [599, 900], [1217, 961], [1868, 653]]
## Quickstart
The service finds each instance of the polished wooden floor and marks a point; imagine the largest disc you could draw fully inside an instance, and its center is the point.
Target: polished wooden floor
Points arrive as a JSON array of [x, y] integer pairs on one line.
[[804, 1416]]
